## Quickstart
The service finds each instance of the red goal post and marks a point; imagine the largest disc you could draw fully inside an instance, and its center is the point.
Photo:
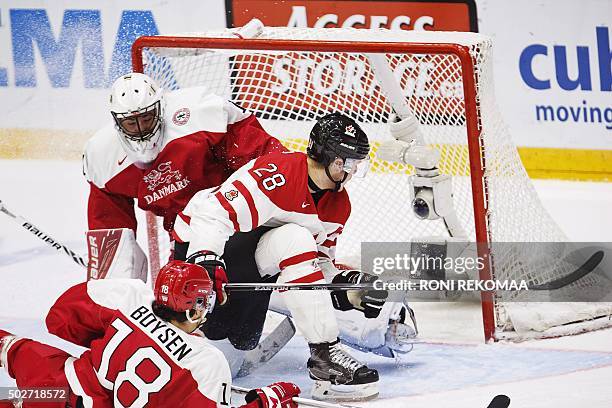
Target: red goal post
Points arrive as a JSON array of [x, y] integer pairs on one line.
[[465, 126], [471, 105]]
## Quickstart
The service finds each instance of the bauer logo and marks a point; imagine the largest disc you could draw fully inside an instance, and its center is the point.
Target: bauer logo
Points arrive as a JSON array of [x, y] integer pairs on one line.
[[443, 15]]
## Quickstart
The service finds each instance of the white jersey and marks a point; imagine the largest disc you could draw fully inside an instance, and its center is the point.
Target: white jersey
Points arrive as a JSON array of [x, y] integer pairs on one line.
[[130, 347], [271, 191], [206, 138]]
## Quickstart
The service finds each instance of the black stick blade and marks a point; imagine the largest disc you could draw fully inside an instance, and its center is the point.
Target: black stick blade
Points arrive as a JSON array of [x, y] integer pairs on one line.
[[500, 401]]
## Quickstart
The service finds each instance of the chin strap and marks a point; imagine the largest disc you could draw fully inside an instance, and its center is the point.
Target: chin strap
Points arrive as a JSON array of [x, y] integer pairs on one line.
[[337, 183], [200, 321]]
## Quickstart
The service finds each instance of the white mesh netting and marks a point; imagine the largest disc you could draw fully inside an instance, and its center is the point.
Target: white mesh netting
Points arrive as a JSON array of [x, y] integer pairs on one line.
[[288, 90]]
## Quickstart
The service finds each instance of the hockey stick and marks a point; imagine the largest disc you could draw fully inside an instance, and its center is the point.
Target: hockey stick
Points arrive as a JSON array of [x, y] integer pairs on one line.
[[392, 90], [301, 401], [581, 272], [499, 401], [586, 268], [268, 347], [43, 236], [242, 287], [230, 286]]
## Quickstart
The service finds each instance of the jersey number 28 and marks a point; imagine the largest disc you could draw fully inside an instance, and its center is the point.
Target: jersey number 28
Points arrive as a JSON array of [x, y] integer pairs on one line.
[[273, 181]]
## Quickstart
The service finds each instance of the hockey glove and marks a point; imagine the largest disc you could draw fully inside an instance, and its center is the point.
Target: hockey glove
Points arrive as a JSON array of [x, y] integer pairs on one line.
[[370, 302], [215, 266], [277, 395]]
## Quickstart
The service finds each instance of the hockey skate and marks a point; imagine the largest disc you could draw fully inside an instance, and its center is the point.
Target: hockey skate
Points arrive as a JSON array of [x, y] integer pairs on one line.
[[338, 376]]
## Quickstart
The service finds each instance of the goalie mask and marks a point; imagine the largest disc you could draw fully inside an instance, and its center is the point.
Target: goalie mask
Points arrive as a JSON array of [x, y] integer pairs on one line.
[[137, 105], [183, 287], [337, 136]]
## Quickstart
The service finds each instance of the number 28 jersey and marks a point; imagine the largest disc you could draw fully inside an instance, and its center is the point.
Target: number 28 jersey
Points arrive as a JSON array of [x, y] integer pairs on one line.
[[271, 190], [135, 359]]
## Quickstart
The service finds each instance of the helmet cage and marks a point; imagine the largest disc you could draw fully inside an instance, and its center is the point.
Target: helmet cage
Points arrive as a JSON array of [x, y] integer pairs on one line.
[[139, 135]]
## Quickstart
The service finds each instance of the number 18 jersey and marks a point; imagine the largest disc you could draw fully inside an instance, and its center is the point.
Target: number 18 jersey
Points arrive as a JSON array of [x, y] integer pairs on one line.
[[135, 359]]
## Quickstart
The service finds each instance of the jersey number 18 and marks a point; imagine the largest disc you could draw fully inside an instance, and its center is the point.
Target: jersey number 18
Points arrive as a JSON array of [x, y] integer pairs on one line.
[[144, 387]]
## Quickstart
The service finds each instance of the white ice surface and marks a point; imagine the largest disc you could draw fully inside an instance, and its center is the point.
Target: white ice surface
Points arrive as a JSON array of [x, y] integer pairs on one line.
[[451, 369]]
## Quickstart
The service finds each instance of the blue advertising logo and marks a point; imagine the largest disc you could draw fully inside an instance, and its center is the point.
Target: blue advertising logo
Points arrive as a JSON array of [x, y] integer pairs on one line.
[[583, 81], [81, 30]]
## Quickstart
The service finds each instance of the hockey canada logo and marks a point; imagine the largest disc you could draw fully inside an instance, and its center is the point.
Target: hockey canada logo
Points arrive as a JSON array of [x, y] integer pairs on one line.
[[181, 116], [230, 195], [170, 180], [350, 131]]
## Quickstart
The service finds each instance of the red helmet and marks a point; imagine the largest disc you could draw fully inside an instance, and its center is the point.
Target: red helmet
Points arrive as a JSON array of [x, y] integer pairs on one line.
[[181, 286]]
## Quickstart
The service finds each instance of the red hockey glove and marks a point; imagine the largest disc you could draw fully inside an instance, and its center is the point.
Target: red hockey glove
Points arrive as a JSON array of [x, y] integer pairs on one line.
[[215, 266], [277, 395]]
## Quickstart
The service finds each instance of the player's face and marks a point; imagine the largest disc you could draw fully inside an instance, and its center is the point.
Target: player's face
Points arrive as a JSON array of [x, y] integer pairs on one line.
[[139, 124]]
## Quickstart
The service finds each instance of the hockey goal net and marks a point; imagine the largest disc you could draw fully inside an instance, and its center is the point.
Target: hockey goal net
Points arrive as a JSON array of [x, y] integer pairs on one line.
[[289, 77]]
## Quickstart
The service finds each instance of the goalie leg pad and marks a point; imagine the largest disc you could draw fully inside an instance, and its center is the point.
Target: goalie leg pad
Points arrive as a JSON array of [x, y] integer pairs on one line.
[[115, 254], [393, 332]]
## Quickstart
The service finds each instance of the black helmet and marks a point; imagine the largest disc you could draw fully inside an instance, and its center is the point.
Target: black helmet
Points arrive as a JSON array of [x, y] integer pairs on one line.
[[337, 135]]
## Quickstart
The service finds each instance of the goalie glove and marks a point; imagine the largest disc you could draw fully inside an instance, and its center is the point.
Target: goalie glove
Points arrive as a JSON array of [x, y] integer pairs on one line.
[[370, 302], [277, 395], [215, 266], [421, 157]]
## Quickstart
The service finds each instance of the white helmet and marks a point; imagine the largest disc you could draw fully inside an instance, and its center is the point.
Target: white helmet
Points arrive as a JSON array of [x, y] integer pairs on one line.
[[137, 106]]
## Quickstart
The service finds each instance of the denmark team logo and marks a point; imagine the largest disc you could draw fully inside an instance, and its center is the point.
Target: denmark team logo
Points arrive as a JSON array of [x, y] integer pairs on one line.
[[181, 116], [163, 181]]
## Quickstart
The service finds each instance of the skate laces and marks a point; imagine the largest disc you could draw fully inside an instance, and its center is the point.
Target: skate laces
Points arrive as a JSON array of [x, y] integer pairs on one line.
[[339, 356]]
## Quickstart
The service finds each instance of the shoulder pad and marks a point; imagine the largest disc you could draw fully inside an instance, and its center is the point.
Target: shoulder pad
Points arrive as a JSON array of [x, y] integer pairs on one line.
[[104, 157], [192, 110]]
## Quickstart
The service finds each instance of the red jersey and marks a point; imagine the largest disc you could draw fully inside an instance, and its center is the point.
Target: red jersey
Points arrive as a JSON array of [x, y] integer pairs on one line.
[[206, 138], [272, 191], [135, 358]]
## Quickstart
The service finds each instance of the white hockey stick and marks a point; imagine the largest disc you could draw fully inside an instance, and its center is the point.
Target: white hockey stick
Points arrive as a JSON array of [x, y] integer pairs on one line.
[[241, 287], [43, 236], [307, 402], [392, 90]]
